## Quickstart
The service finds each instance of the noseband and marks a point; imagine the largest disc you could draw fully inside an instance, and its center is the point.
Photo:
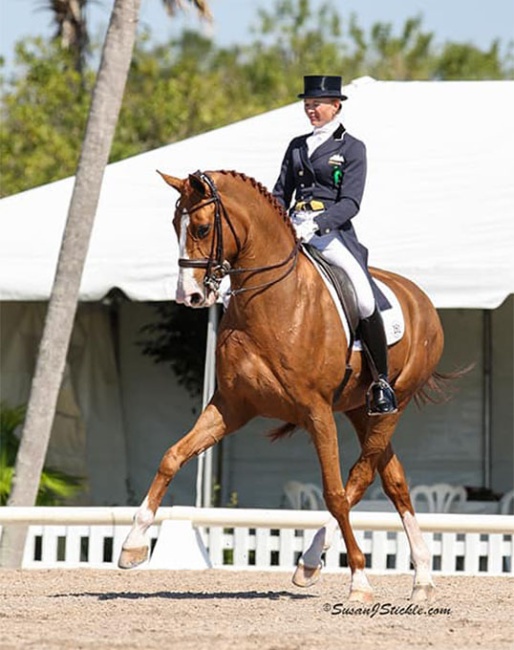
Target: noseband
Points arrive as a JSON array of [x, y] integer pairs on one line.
[[216, 267]]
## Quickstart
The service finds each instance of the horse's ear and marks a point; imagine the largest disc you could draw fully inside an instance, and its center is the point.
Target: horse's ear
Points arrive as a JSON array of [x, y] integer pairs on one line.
[[197, 185], [176, 183]]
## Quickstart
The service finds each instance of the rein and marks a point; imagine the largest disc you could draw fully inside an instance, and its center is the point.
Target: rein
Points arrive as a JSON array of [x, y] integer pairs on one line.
[[216, 267]]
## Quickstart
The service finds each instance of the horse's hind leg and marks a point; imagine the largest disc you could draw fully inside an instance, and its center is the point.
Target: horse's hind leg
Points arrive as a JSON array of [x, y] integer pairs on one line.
[[324, 434], [374, 435], [210, 427], [396, 488], [377, 454]]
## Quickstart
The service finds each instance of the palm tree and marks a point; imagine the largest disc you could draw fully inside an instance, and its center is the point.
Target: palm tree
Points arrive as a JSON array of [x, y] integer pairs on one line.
[[103, 116], [71, 23], [70, 19]]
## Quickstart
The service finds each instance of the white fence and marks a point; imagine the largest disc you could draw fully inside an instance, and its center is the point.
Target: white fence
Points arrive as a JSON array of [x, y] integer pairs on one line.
[[184, 537]]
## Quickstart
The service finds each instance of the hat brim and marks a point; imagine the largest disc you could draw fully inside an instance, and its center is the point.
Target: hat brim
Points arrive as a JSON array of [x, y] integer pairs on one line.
[[322, 95]]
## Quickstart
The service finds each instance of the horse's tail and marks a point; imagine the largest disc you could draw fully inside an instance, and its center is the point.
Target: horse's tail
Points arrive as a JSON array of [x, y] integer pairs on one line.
[[439, 387], [286, 430]]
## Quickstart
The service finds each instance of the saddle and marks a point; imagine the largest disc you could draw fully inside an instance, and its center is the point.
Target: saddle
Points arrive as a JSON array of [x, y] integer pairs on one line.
[[344, 289], [394, 324], [348, 299]]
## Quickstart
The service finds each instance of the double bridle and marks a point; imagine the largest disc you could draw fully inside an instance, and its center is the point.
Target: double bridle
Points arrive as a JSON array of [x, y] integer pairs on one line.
[[216, 267]]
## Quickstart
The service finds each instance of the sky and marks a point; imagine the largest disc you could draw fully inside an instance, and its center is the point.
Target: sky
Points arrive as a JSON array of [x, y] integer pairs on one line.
[[471, 21]]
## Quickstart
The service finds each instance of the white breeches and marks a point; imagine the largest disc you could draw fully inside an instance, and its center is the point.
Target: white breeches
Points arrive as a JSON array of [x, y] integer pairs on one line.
[[336, 253]]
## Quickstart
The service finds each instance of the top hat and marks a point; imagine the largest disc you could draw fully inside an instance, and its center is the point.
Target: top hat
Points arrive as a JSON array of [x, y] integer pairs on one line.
[[322, 86]]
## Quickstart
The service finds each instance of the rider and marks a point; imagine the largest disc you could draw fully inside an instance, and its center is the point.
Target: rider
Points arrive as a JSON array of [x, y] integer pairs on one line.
[[326, 171]]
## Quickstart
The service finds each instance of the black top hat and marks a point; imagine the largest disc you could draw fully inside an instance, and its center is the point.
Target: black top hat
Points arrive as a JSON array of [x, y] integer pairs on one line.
[[322, 86]]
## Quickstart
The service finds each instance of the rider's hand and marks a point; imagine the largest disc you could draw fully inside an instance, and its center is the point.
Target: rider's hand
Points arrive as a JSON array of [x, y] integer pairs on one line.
[[304, 225]]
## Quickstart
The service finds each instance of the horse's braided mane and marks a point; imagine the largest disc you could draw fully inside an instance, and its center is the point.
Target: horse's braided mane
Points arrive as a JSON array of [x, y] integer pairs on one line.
[[263, 191]]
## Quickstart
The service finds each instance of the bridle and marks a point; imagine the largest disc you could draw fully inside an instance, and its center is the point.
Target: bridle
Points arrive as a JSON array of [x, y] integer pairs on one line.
[[216, 267]]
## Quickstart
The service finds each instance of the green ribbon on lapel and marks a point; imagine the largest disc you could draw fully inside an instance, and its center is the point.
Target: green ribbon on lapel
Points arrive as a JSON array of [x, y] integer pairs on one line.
[[337, 176]]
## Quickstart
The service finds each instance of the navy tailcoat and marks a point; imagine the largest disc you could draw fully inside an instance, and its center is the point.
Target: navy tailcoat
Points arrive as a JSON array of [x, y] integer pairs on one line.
[[303, 178]]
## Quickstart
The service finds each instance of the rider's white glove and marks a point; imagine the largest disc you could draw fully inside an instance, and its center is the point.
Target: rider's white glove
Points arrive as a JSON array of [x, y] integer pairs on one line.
[[304, 225]]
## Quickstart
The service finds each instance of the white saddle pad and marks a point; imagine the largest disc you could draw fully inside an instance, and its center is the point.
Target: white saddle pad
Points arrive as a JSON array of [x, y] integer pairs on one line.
[[394, 322]]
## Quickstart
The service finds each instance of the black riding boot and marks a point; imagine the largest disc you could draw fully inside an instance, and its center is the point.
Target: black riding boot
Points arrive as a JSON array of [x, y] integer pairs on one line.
[[380, 398]]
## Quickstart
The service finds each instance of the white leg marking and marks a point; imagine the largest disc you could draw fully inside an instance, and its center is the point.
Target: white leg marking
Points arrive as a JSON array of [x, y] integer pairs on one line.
[[360, 582], [143, 519], [321, 542], [331, 526], [420, 554]]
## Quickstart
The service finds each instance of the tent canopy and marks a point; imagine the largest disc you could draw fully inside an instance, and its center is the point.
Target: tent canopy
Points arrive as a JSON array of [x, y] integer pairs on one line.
[[438, 206]]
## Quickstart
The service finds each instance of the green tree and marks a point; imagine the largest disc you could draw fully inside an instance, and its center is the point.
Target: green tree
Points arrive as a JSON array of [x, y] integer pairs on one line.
[[177, 337], [386, 56], [462, 61], [293, 41], [44, 116], [55, 486], [196, 86]]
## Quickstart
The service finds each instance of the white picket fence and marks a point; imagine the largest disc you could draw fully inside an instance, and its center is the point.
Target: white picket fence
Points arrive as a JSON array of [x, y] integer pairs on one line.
[[194, 538]]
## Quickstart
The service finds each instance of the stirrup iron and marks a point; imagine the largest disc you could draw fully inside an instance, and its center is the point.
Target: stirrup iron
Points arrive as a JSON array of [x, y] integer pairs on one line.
[[380, 398]]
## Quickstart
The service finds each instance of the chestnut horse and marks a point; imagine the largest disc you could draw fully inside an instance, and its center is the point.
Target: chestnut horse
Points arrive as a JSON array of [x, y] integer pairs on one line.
[[281, 354]]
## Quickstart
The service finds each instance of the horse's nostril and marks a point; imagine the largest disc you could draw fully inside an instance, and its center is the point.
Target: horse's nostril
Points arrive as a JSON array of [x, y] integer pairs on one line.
[[195, 298]]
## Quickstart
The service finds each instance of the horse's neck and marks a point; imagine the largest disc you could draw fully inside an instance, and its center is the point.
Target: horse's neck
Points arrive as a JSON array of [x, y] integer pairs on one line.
[[266, 239], [268, 251]]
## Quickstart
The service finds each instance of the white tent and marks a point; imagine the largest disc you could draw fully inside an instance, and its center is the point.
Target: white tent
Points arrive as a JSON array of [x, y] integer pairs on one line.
[[438, 208], [438, 205]]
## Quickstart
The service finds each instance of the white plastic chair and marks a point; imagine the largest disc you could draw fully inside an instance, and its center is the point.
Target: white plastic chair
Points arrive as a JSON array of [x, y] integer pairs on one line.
[[440, 497], [304, 496], [506, 506]]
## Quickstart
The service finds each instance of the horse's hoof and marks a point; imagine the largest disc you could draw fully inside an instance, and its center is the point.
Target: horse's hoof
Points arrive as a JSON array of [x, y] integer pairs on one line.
[[423, 594], [132, 557], [306, 576], [360, 596]]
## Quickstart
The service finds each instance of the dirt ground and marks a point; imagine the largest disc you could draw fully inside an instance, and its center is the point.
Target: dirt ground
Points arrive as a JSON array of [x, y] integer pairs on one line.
[[218, 610]]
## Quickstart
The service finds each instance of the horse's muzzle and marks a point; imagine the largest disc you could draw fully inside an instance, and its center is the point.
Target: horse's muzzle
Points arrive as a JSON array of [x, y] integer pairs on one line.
[[197, 298]]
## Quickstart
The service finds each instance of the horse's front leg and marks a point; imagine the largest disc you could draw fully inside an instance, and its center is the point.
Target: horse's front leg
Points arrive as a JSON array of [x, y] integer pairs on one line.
[[210, 427], [309, 567], [374, 435]]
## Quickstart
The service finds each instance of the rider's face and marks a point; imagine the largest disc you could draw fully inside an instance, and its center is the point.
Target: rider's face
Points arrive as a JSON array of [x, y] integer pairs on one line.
[[321, 110]]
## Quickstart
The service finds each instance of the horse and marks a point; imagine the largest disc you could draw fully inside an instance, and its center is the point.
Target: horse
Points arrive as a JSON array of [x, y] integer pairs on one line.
[[281, 354]]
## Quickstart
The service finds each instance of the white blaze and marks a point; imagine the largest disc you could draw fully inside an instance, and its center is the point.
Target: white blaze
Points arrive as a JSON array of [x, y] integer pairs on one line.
[[187, 285]]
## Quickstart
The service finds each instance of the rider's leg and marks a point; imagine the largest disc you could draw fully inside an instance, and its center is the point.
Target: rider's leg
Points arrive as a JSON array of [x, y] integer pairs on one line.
[[336, 253], [381, 397]]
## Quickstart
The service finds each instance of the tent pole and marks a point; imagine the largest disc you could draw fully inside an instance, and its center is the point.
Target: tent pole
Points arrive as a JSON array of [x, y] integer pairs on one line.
[[204, 469], [487, 396]]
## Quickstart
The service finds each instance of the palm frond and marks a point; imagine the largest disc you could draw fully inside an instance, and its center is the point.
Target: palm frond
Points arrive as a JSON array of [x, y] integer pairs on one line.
[[172, 6]]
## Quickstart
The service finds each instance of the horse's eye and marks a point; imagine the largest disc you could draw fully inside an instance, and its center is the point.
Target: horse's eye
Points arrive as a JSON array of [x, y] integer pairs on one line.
[[203, 230]]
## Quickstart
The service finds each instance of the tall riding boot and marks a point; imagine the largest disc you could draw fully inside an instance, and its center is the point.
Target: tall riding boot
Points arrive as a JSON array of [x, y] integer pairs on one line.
[[380, 398]]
